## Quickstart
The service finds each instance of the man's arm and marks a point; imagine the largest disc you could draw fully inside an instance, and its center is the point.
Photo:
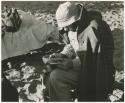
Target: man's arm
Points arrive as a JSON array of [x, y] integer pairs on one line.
[[69, 51]]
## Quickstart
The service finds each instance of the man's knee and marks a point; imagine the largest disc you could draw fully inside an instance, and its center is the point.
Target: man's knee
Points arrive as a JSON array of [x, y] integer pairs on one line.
[[55, 75]]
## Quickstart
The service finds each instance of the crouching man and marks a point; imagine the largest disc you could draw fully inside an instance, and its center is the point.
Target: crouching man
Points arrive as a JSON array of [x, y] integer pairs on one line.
[[92, 68], [64, 76]]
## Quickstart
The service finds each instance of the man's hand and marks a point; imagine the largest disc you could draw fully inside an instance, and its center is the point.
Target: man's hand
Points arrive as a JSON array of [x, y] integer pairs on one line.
[[57, 55], [61, 63]]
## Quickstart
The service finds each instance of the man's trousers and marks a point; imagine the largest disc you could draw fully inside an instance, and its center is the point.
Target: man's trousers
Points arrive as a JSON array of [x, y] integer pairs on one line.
[[61, 82]]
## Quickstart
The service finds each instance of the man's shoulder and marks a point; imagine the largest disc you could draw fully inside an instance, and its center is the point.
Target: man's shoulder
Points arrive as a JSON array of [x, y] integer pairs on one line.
[[94, 15]]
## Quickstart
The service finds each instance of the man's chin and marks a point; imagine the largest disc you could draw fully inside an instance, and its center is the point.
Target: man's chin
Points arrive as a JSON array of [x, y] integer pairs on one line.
[[73, 30]]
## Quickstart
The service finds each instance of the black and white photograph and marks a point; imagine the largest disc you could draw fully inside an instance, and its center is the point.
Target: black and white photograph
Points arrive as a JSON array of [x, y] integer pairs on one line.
[[62, 51]]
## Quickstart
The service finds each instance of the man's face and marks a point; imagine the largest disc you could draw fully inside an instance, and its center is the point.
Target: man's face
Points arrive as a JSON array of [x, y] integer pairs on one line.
[[72, 27]]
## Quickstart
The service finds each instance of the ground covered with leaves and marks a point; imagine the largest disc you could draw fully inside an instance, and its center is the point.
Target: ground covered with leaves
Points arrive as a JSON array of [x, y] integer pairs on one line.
[[112, 13]]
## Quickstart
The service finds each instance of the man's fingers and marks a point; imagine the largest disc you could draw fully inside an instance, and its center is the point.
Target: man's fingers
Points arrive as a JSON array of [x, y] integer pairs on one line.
[[55, 60]]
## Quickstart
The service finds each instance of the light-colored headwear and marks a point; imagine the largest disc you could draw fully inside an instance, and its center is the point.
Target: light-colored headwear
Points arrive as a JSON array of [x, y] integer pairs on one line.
[[66, 14]]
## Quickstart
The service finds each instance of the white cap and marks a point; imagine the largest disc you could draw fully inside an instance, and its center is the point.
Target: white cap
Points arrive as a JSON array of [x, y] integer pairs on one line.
[[66, 14]]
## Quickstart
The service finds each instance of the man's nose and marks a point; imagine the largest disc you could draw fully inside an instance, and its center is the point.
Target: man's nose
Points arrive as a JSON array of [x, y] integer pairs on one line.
[[66, 29]]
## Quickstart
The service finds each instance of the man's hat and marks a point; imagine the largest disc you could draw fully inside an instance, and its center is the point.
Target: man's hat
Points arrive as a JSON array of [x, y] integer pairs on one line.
[[67, 13]]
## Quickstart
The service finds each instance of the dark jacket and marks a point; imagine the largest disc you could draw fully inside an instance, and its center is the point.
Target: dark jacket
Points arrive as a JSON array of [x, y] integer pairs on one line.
[[96, 76]]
